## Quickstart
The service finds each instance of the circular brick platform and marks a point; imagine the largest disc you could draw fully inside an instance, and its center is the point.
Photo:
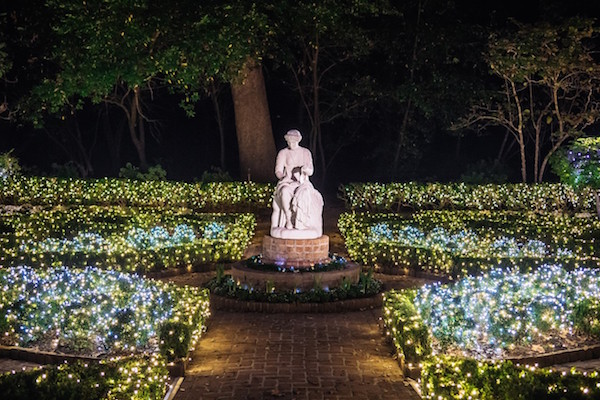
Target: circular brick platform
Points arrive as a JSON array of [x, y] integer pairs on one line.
[[286, 281], [295, 252]]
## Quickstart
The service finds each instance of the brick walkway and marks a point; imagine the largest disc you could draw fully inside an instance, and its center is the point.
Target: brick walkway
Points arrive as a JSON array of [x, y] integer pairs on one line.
[[294, 356]]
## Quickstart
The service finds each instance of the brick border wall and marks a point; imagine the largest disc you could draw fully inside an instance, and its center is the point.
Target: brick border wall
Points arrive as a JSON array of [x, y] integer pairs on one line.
[[228, 304], [288, 281]]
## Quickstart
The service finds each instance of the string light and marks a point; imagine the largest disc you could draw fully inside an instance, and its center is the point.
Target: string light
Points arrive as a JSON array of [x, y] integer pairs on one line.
[[392, 197], [104, 191], [481, 319], [459, 243], [124, 238]]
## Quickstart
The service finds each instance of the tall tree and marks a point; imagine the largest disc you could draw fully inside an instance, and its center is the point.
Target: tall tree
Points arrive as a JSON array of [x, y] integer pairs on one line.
[[321, 45], [224, 42], [548, 89], [114, 62], [428, 66]]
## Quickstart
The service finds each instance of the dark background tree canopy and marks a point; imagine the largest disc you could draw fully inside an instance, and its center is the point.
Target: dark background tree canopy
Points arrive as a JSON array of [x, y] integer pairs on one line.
[[375, 87]]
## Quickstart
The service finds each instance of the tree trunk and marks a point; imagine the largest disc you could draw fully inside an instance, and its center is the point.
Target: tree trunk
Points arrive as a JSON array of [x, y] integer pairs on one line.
[[113, 139], [597, 202], [256, 146], [137, 131], [523, 158], [214, 93]]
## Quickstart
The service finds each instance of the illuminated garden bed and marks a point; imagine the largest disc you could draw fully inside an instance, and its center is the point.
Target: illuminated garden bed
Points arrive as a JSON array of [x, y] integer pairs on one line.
[[394, 197], [109, 191], [459, 243], [132, 378], [123, 238], [98, 313], [479, 322]]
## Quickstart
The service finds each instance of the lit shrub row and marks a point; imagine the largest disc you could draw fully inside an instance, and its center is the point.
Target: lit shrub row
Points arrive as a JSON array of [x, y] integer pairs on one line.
[[124, 238], [483, 317], [132, 378], [465, 242], [110, 191], [394, 197], [95, 312], [445, 377]]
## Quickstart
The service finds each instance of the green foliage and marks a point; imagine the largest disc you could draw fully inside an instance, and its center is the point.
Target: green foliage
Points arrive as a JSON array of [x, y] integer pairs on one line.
[[579, 163], [220, 273], [453, 378], [547, 87], [406, 327], [460, 243], [93, 310], [586, 317], [335, 263], [68, 170], [5, 63], [484, 172], [109, 191], [394, 197], [9, 166], [101, 236], [215, 174], [154, 173], [175, 339], [367, 287], [128, 378]]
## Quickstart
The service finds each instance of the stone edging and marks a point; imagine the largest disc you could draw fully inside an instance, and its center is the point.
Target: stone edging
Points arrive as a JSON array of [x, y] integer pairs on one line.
[[176, 368], [41, 357], [559, 357], [228, 304], [541, 361]]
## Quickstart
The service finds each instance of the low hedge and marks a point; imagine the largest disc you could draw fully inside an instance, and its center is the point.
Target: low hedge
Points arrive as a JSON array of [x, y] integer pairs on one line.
[[394, 197], [459, 243], [110, 191], [123, 238], [445, 377], [139, 378]]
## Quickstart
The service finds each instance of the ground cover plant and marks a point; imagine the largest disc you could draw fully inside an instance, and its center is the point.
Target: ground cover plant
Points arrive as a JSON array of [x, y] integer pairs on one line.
[[459, 243], [398, 196], [18, 190], [225, 285], [124, 238], [334, 263], [98, 313], [477, 322]]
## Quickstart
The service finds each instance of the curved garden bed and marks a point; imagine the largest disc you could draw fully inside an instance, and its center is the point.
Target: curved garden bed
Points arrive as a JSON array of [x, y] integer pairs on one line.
[[459, 243], [123, 238], [498, 322]]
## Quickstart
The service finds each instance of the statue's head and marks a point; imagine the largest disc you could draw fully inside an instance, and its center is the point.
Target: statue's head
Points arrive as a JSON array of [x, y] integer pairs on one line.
[[292, 137]]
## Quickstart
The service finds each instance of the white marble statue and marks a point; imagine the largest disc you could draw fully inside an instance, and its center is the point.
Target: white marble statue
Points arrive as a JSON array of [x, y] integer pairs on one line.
[[297, 205]]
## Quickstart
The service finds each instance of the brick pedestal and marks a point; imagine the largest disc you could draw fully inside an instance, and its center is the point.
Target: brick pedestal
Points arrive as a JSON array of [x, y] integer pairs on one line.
[[295, 252]]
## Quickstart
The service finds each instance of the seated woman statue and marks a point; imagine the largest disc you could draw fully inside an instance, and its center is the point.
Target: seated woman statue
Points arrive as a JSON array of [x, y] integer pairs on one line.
[[297, 205]]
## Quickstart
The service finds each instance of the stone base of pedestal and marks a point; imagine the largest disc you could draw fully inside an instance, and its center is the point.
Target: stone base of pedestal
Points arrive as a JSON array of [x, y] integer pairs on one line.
[[295, 252]]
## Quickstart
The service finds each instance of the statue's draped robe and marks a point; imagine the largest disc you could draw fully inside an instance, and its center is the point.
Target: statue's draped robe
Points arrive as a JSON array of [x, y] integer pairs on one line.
[[307, 203]]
